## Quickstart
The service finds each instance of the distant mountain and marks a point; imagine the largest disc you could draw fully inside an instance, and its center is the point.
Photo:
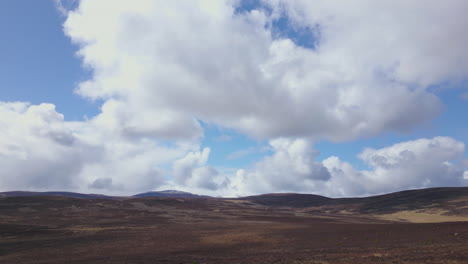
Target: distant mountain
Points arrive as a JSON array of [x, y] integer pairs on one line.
[[407, 200], [288, 199], [170, 193], [166, 193], [451, 199], [64, 194]]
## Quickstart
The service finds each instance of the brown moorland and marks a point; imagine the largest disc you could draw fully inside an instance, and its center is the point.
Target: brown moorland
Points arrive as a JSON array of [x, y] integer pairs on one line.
[[419, 226]]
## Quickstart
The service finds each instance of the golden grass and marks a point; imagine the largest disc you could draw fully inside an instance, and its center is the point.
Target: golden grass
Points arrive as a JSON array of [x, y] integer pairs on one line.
[[418, 216], [237, 201], [93, 229], [234, 238]]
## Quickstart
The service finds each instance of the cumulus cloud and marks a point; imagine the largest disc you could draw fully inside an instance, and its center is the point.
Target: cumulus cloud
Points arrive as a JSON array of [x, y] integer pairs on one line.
[[161, 68], [192, 171], [418, 163], [36, 148], [368, 74], [406, 40], [41, 151], [413, 164], [292, 167]]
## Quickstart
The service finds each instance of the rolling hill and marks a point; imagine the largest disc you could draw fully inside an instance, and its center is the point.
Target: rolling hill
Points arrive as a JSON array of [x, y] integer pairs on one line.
[[57, 227], [449, 200], [63, 194], [170, 193]]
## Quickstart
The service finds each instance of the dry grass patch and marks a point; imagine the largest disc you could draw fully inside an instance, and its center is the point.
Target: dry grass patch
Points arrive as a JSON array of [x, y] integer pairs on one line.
[[95, 229], [234, 238], [418, 216]]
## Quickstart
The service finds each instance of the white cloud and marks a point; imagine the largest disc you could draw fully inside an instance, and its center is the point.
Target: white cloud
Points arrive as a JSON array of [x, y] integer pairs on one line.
[[192, 171], [161, 67], [176, 62], [291, 167], [414, 42], [36, 148], [41, 151], [423, 162], [413, 164]]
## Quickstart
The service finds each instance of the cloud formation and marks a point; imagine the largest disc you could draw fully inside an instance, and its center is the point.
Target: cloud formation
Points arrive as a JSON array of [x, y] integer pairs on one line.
[[41, 151], [161, 68], [291, 167], [193, 172], [37, 150], [412, 164], [177, 62]]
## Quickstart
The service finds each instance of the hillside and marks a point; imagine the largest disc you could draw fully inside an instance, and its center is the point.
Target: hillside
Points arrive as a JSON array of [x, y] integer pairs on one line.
[[271, 228], [63, 194], [423, 205], [294, 200], [170, 193]]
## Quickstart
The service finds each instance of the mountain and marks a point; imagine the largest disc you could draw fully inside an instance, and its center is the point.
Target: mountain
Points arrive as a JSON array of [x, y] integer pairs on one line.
[[64, 194], [288, 199], [270, 228], [408, 200], [423, 205], [170, 193], [450, 199], [166, 193]]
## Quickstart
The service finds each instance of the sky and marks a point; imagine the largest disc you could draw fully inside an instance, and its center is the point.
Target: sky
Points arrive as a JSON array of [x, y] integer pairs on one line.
[[233, 98]]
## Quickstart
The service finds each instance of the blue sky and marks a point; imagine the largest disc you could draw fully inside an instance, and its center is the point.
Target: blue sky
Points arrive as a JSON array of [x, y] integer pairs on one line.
[[39, 64], [38, 61]]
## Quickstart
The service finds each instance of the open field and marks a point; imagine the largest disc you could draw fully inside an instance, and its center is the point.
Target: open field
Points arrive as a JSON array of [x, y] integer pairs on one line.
[[247, 230]]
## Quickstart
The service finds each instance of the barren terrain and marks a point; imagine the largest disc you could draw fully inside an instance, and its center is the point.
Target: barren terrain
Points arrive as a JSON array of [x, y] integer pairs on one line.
[[424, 226]]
